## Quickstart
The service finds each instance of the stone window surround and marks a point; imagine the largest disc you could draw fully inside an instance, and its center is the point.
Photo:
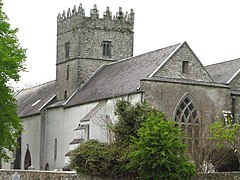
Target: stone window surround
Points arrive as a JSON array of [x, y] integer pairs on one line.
[[187, 116], [185, 67], [106, 48], [67, 50]]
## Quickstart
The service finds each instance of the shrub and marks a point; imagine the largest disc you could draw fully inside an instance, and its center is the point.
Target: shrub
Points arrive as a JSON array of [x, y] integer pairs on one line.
[[145, 144], [159, 152], [94, 158]]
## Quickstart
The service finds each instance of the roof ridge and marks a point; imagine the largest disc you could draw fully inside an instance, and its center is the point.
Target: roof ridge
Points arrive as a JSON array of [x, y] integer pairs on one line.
[[38, 85], [222, 62], [122, 60]]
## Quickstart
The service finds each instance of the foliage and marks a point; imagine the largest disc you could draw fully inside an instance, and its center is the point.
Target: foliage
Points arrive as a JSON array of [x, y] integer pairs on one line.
[[159, 152], [12, 58], [226, 135], [145, 144], [130, 118], [98, 159], [223, 134]]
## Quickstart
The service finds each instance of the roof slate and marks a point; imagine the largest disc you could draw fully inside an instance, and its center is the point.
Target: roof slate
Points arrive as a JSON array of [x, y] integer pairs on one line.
[[121, 77], [225, 71], [38, 95]]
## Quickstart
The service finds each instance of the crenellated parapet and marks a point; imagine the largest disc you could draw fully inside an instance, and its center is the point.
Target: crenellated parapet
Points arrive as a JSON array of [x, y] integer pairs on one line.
[[76, 18]]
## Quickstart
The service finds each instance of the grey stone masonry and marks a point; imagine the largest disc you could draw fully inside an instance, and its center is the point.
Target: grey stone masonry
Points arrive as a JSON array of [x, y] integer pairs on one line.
[[173, 68], [85, 43]]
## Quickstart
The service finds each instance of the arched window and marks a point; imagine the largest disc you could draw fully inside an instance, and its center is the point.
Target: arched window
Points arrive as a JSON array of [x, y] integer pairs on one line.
[[47, 167], [187, 116], [27, 159]]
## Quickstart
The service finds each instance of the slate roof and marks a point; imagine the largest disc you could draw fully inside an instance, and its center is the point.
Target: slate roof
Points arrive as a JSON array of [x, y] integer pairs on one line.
[[30, 101], [121, 77], [224, 72]]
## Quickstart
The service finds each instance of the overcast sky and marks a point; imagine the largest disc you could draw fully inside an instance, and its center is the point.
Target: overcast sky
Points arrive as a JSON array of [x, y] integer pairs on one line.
[[210, 27]]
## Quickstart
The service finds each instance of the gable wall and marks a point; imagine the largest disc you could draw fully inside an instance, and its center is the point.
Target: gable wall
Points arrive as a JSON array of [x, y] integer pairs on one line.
[[31, 136], [235, 86], [60, 125], [98, 125], [235, 83], [210, 101], [173, 67]]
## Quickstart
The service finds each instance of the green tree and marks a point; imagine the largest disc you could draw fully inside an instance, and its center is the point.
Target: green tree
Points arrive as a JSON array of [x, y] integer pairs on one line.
[[159, 151], [145, 144], [12, 58], [225, 133]]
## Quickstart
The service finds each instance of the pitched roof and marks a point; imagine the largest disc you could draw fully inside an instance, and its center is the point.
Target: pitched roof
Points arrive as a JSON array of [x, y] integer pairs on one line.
[[31, 101], [121, 77], [224, 72]]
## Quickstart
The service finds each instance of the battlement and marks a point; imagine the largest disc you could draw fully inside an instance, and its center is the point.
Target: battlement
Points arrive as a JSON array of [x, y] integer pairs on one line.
[[76, 18]]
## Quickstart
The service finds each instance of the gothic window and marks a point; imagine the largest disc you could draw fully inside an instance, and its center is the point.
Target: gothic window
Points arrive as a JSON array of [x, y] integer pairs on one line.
[[55, 149], [47, 167], [185, 67], [67, 73], [17, 161], [27, 159], [106, 47], [187, 116], [67, 49]]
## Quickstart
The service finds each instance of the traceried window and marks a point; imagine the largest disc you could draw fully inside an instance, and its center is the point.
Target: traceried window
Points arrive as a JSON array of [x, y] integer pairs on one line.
[[67, 49], [187, 116], [106, 47]]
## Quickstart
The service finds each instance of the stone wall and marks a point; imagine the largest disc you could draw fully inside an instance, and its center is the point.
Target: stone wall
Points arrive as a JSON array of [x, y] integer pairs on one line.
[[173, 67], [38, 175], [218, 175], [65, 175]]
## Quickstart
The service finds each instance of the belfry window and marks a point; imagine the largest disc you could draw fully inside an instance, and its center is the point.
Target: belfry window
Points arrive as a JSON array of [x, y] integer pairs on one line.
[[185, 67], [187, 117], [106, 48], [67, 49]]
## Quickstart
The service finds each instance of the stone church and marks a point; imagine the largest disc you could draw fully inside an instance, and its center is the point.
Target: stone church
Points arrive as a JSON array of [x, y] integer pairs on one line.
[[95, 67]]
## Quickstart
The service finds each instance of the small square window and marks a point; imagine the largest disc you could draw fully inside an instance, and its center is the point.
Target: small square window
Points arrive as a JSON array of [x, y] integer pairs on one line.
[[185, 67]]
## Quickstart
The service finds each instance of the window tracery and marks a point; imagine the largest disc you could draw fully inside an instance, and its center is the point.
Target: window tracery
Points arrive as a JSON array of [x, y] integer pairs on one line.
[[187, 116]]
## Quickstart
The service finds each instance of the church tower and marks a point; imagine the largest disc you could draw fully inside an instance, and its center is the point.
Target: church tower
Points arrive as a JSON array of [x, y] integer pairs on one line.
[[85, 43]]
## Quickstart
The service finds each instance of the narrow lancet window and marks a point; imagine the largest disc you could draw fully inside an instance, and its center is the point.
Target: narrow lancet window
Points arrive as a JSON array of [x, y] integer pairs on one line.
[[67, 49]]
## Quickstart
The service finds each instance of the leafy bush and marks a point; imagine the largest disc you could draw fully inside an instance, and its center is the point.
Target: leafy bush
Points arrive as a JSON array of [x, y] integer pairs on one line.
[[94, 158], [130, 118], [159, 152], [144, 141]]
